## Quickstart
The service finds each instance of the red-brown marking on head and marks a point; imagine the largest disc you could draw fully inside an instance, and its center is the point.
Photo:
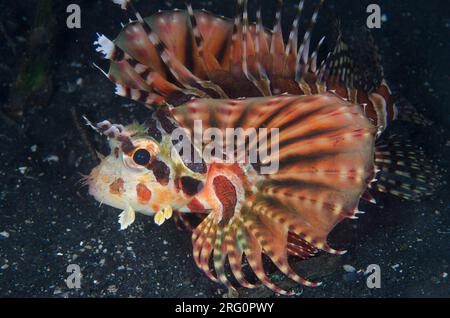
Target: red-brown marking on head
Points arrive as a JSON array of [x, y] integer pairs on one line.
[[143, 193], [117, 186], [226, 193], [196, 206]]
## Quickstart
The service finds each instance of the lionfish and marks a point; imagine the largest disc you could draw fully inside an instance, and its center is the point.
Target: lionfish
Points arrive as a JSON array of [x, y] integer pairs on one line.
[[189, 66]]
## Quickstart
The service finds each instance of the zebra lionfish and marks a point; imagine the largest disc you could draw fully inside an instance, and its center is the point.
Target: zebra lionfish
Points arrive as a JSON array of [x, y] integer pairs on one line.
[[188, 65]]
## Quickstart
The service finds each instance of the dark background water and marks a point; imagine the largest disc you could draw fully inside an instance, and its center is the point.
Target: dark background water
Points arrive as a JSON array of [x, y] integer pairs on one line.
[[48, 220]]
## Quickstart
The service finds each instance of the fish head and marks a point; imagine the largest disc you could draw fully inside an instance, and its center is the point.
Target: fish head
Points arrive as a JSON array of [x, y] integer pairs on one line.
[[143, 172]]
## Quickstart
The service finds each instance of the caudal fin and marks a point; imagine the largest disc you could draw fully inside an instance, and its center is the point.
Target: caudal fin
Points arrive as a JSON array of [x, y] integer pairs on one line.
[[408, 113], [404, 170]]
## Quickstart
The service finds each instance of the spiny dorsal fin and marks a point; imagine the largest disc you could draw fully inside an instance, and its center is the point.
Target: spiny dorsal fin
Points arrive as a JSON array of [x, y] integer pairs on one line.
[[236, 37], [200, 87], [292, 45], [277, 42], [355, 61], [302, 62], [261, 50]]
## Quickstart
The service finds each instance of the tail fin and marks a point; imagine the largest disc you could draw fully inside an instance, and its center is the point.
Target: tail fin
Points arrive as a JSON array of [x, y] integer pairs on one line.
[[403, 169], [408, 113]]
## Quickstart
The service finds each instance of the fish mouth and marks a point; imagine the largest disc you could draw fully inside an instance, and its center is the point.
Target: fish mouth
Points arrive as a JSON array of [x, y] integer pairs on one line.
[[100, 190], [92, 181]]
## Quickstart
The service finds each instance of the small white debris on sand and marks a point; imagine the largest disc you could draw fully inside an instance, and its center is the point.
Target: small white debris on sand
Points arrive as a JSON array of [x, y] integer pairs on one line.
[[444, 275], [23, 169], [394, 267], [33, 148], [349, 268], [112, 289], [57, 291], [51, 158], [4, 234]]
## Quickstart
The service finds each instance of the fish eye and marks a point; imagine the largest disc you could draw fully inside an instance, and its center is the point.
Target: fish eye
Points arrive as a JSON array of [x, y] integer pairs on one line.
[[141, 157], [143, 153]]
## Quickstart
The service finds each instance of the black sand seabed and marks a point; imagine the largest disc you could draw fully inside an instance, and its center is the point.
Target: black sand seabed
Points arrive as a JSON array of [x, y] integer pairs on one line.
[[47, 221]]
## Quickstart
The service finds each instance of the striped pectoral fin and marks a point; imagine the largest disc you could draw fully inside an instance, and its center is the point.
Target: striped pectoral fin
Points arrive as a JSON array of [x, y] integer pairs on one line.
[[203, 239], [222, 234], [298, 247], [308, 215], [273, 238], [404, 170], [188, 221], [248, 233], [325, 164], [235, 252], [326, 151], [180, 222]]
